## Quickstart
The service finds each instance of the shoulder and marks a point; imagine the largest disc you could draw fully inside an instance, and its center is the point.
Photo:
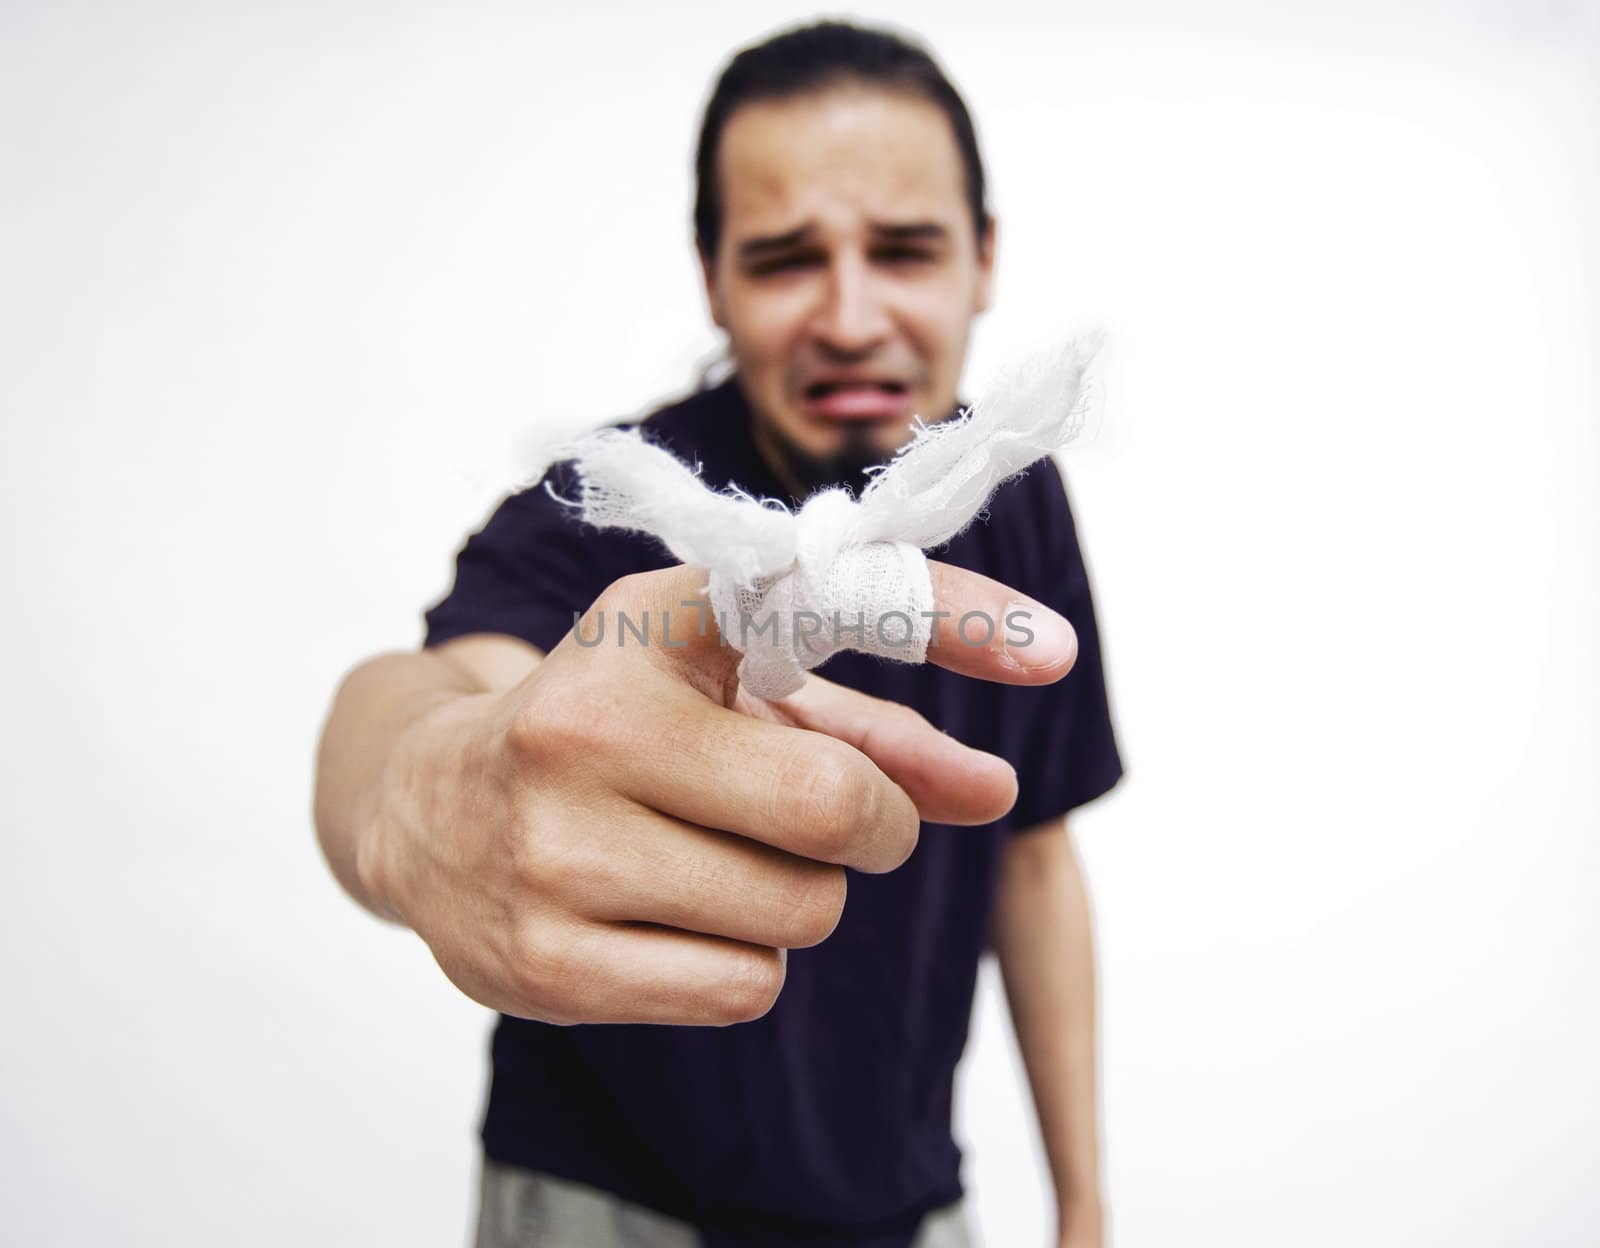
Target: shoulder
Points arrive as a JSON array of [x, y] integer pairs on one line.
[[536, 560], [538, 527], [695, 426], [686, 426]]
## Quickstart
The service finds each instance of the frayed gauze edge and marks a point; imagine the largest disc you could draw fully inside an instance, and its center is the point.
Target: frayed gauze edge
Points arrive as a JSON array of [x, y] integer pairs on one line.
[[789, 589]]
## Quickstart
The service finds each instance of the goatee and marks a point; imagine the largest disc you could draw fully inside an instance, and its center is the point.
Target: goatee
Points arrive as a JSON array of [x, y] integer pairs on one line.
[[845, 466]]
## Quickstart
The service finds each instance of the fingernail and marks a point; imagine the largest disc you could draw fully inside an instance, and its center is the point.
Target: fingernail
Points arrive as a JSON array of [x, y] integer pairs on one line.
[[1037, 638]]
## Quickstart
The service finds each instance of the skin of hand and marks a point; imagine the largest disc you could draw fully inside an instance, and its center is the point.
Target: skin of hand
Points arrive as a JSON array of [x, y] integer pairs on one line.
[[624, 835]]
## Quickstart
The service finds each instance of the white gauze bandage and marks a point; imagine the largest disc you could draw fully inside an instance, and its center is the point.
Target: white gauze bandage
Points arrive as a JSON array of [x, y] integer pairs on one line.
[[790, 589]]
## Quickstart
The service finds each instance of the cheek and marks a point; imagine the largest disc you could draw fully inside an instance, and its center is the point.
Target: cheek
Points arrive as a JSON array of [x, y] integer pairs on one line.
[[765, 330], [936, 322]]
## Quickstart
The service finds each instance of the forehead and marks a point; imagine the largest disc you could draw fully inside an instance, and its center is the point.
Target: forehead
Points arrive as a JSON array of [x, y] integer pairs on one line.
[[837, 156]]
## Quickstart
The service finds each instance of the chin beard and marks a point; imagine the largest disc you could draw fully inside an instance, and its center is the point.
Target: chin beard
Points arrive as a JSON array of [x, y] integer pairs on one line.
[[847, 466]]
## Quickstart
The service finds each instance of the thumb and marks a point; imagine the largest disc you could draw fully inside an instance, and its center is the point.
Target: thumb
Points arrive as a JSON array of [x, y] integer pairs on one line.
[[666, 617]]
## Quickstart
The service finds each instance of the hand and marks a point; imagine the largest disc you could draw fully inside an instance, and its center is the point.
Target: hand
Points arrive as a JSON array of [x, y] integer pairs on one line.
[[625, 836]]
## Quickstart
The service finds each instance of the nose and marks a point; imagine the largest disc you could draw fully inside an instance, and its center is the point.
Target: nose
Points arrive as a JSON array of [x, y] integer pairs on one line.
[[852, 318]]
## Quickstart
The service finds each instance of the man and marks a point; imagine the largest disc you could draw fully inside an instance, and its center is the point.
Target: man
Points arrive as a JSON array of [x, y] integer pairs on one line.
[[704, 1041]]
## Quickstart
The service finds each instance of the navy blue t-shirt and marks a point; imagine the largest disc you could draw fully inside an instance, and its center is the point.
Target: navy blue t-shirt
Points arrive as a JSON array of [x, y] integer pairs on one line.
[[828, 1120]]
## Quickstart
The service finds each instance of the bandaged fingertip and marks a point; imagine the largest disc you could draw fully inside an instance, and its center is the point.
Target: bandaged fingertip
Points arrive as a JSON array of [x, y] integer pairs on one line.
[[790, 589]]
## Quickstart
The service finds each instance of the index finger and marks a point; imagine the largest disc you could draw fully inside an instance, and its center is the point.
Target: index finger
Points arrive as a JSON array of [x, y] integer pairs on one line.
[[987, 630]]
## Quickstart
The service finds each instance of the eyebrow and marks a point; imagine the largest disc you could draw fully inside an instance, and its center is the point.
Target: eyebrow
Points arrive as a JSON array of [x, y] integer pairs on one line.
[[758, 248], [908, 232], [915, 232]]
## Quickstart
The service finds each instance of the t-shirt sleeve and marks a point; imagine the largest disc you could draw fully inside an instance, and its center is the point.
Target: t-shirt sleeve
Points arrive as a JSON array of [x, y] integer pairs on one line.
[[533, 565], [1067, 754]]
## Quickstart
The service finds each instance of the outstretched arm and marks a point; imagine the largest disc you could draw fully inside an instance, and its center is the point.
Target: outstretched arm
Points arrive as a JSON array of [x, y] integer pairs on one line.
[[1043, 937]]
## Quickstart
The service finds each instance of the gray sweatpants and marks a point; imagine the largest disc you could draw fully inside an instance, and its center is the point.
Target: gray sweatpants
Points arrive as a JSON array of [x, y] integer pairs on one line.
[[520, 1208]]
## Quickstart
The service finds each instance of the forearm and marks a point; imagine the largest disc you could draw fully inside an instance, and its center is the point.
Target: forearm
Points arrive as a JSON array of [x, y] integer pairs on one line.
[[375, 705], [1044, 940]]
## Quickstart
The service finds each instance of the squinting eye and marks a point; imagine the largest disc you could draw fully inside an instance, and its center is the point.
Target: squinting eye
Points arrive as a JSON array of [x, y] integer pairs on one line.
[[896, 255], [784, 262]]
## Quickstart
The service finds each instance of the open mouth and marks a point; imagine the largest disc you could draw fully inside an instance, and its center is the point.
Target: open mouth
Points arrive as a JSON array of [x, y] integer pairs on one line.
[[834, 401], [822, 389]]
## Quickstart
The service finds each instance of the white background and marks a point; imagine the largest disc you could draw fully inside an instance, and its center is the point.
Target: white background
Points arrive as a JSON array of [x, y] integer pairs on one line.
[[289, 298]]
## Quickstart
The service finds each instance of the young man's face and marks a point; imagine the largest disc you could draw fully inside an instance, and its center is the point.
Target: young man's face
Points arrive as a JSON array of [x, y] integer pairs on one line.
[[847, 273]]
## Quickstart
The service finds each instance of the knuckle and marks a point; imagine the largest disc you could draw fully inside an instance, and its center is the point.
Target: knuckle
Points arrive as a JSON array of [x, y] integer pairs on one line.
[[749, 988], [580, 878], [372, 865], [544, 976], [567, 868], [543, 863], [534, 725], [904, 838], [527, 857], [834, 798], [622, 593], [816, 907], [558, 726]]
